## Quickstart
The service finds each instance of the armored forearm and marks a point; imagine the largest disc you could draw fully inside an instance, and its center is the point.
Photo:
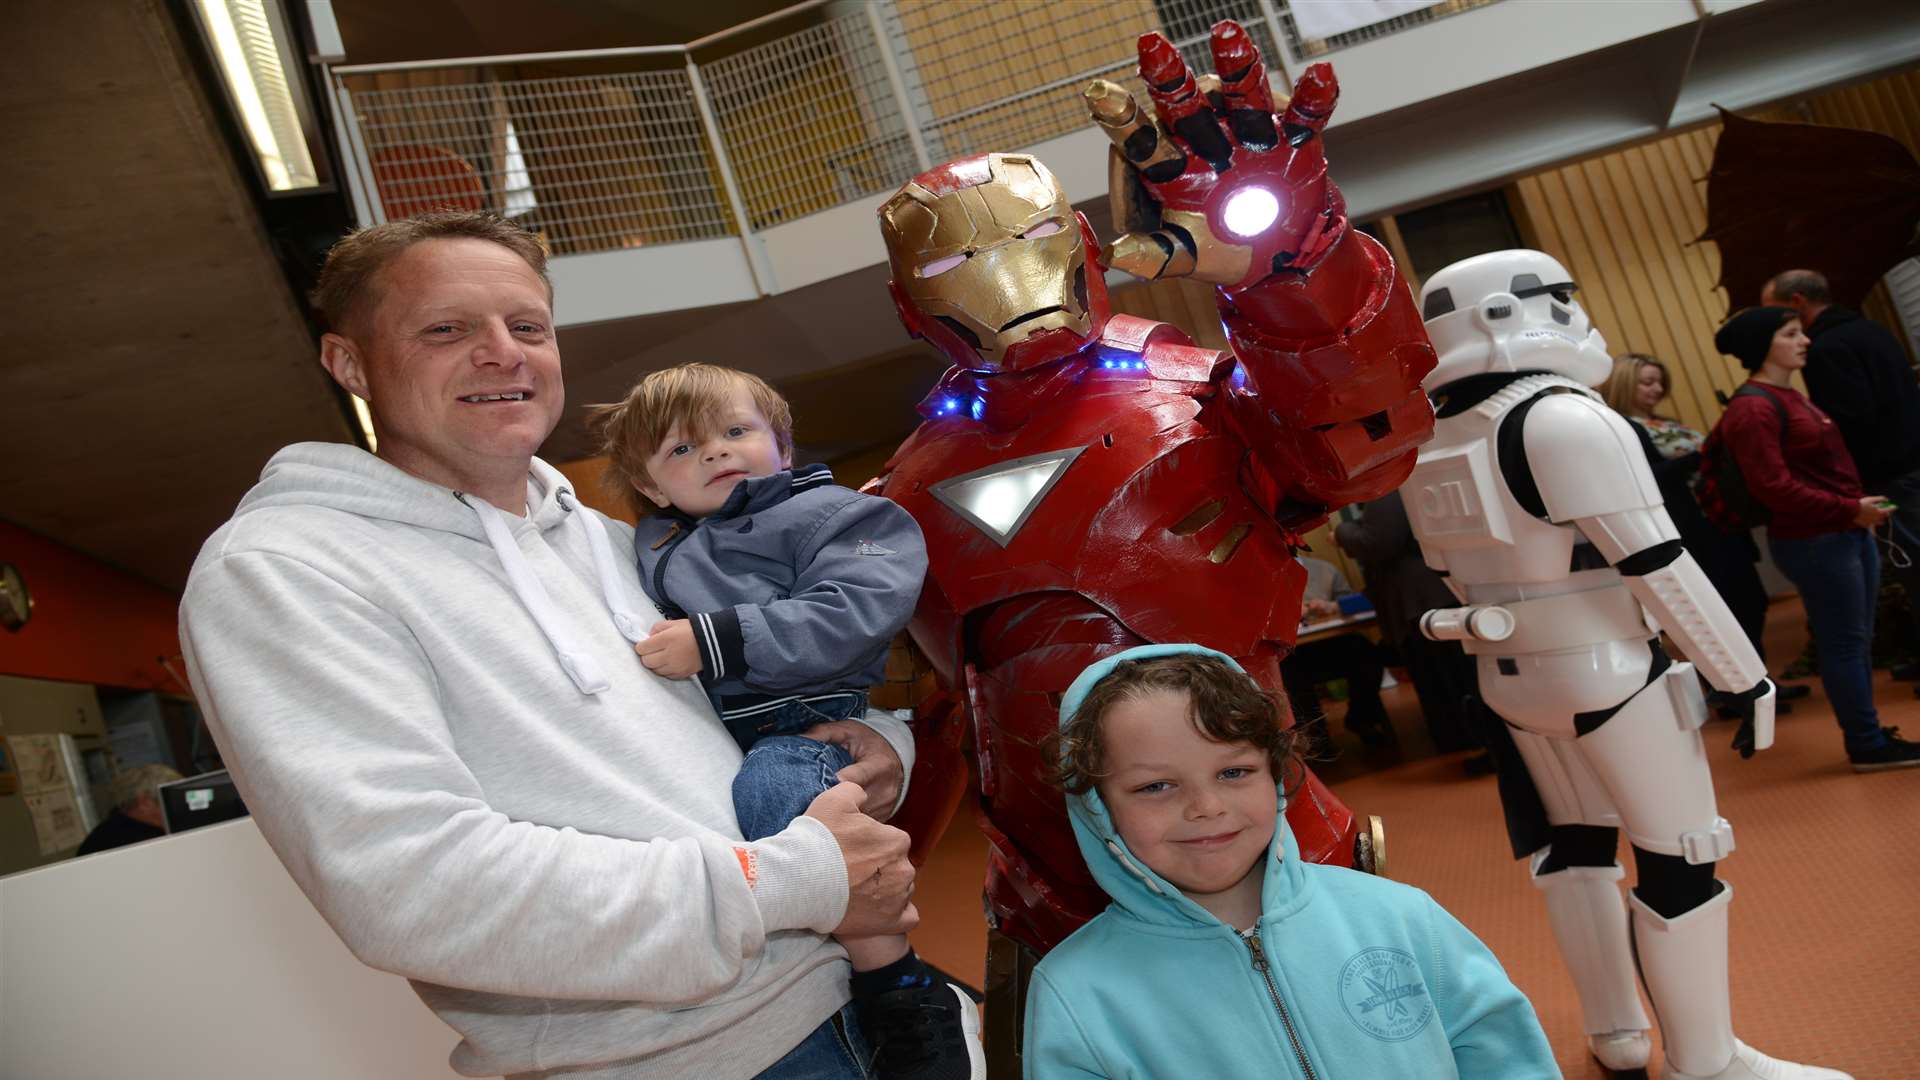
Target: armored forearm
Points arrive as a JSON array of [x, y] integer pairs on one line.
[[1330, 403]]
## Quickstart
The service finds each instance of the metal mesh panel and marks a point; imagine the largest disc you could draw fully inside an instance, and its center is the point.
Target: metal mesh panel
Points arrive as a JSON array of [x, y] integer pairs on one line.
[[810, 120], [1005, 74], [1308, 48], [594, 162]]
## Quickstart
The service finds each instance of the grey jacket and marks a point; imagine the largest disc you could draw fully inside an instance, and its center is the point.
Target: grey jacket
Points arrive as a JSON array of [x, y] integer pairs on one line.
[[795, 586]]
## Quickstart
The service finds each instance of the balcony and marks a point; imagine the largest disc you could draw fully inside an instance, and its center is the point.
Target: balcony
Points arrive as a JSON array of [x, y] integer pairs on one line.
[[745, 166]]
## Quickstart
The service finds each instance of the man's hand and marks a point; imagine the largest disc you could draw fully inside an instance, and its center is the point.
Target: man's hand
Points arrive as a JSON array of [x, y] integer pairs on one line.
[[1871, 513], [669, 650], [1213, 185], [879, 877], [876, 768], [1325, 609]]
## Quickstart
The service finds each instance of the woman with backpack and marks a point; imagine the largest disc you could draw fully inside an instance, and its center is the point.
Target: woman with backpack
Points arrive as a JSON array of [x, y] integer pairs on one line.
[[1792, 462], [1636, 388]]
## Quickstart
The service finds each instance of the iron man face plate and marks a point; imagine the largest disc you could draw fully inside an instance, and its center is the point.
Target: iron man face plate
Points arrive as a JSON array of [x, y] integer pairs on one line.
[[992, 265]]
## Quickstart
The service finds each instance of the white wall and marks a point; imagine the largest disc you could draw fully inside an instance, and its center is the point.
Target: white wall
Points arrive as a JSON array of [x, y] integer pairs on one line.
[[194, 957]]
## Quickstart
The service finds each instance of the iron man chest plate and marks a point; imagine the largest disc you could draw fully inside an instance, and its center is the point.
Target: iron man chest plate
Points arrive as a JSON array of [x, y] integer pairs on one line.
[[1124, 488]]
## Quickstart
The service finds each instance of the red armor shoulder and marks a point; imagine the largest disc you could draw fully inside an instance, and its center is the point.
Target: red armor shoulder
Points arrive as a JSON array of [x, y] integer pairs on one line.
[[1169, 353]]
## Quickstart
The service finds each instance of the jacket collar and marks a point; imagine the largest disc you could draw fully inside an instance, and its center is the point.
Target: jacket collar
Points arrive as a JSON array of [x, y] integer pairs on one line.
[[1834, 315], [754, 494]]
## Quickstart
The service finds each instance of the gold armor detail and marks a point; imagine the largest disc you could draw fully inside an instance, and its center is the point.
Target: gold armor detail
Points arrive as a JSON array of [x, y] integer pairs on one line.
[[1003, 259]]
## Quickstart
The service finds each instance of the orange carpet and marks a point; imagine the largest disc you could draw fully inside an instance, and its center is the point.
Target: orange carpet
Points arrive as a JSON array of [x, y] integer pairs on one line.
[[1826, 912]]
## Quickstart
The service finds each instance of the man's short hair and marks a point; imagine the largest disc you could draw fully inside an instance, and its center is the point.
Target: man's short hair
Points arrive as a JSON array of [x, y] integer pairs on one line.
[[130, 784], [1808, 283], [690, 396], [358, 258]]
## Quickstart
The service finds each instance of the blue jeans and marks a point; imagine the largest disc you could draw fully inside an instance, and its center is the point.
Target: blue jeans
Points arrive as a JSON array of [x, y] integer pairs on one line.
[[781, 775], [1838, 575], [835, 1051]]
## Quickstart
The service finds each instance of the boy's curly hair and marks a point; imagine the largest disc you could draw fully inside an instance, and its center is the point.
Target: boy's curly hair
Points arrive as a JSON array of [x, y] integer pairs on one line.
[[1226, 705]]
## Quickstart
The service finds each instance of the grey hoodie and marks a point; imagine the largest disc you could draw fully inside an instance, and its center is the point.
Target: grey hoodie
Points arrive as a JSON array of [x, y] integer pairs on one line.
[[481, 788]]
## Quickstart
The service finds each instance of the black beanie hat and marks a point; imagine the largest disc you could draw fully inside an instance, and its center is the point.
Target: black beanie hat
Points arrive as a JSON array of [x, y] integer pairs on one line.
[[1748, 336]]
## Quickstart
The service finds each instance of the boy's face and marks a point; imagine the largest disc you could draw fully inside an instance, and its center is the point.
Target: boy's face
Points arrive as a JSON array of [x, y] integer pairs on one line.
[[697, 474], [1200, 813]]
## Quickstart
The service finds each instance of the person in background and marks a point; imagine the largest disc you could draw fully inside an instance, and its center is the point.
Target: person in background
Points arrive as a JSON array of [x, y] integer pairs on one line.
[[1858, 374], [1636, 388], [1403, 588], [1820, 532], [136, 812], [1351, 656]]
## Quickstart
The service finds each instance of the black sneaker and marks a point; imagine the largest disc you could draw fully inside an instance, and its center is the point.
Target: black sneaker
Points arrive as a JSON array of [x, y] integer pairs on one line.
[[1895, 753], [926, 1031], [1790, 691]]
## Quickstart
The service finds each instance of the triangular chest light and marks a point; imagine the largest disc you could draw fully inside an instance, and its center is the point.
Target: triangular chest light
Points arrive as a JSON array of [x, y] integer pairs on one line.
[[1001, 497]]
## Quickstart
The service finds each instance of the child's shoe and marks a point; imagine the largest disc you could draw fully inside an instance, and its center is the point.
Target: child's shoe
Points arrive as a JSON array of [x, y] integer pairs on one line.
[[922, 1028]]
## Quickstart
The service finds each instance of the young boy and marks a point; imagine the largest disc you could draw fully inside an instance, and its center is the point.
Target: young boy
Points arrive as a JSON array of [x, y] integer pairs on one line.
[[1223, 954], [782, 592]]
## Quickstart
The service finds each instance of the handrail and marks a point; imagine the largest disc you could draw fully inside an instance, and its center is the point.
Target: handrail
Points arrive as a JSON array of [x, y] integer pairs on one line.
[[579, 54]]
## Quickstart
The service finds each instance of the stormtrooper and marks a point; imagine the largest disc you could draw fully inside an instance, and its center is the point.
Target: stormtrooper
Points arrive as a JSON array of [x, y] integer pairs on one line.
[[1536, 503]]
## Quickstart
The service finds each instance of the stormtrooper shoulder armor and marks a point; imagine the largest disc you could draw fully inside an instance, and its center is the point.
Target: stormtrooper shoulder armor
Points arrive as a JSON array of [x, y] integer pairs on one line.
[[1585, 459]]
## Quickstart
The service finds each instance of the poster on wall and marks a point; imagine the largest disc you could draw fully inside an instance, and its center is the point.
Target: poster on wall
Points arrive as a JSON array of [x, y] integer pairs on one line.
[[56, 820], [37, 760]]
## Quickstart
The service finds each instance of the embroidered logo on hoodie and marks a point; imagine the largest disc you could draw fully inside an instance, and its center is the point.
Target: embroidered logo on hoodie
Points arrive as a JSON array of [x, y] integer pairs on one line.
[[1385, 995], [868, 547]]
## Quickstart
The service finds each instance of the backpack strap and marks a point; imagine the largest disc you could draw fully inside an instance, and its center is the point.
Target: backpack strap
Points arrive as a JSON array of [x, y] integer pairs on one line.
[[1779, 408]]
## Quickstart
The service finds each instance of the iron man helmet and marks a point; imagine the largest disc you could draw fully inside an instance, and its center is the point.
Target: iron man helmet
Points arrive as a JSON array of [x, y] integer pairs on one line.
[[992, 265]]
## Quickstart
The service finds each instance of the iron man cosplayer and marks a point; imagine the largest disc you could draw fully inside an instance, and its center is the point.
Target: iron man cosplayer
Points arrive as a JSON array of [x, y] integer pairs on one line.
[[1536, 501], [1089, 482]]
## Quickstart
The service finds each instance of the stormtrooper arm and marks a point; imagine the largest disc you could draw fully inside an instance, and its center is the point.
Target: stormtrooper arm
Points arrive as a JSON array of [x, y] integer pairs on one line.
[[1590, 471]]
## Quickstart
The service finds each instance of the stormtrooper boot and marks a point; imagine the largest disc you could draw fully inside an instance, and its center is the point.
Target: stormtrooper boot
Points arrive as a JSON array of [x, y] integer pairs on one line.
[[1684, 961], [1589, 919]]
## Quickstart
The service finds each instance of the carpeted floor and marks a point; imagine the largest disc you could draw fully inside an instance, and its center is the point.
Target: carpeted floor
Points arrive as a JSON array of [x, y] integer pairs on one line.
[[1826, 912]]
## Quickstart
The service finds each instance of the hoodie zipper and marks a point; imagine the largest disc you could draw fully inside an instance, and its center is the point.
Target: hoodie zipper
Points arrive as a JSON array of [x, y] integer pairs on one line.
[[1286, 1018]]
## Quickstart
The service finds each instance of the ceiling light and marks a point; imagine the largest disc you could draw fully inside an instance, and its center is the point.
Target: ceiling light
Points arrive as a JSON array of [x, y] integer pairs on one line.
[[262, 73]]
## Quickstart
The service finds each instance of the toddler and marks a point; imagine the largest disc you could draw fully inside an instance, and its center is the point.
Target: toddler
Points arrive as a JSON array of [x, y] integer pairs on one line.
[[782, 593]]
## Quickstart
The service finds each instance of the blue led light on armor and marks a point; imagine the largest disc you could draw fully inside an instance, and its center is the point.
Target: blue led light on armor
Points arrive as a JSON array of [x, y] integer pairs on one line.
[[951, 405], [979, 407]]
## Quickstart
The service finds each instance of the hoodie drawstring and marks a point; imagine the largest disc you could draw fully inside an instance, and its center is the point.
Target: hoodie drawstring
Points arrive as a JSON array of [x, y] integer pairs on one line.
[[579, 665], [610, 584]]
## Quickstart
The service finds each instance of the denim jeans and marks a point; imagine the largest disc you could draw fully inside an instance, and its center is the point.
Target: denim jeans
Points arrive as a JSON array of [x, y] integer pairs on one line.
[[781, 775], [1838, 575], [835, 1051]]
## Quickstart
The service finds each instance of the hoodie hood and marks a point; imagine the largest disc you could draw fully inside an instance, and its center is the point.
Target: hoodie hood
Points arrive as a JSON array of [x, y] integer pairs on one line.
[[1135, 888], [346, 478], [756, 493]]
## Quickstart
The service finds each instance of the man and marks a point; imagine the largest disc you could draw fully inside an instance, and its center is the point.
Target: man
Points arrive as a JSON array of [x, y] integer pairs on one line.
[[1858, 374], [136, 815], [419, 667]]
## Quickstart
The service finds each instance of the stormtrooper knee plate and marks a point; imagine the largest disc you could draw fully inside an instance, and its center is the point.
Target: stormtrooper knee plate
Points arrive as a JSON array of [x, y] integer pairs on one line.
[[1650, 759]]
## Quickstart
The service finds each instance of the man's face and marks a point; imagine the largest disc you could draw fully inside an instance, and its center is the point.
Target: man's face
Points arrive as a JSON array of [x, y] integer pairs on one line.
[[457, 360], [1200, 813], [696, 473], [1770, 298]]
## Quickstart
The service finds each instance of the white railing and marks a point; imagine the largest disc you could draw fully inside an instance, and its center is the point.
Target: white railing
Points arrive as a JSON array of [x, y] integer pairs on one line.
[[602, 150]]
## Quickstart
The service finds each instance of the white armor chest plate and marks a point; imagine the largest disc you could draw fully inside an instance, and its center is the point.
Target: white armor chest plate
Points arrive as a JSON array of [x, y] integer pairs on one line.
[[1468, 522]]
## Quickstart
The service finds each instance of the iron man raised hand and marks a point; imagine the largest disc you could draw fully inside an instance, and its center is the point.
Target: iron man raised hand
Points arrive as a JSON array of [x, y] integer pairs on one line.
[[1089, 482]]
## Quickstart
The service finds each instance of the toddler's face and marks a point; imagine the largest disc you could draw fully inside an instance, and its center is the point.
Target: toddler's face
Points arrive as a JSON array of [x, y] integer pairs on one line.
[[1199, 813], [697, 474]]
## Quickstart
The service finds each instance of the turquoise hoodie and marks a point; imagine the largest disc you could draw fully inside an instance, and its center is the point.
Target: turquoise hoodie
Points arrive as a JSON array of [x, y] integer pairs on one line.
[[1346, 976]]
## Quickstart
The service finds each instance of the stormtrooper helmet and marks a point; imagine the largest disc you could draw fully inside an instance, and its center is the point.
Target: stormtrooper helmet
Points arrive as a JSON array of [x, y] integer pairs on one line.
[[1510, 311]]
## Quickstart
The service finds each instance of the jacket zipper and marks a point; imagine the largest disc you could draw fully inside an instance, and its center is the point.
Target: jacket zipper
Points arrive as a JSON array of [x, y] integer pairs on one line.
[[1286, 1018], [660, 571]]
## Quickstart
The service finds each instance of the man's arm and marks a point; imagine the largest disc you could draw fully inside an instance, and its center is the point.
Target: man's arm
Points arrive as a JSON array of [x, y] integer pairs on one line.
[[333, 727], [857, 588]]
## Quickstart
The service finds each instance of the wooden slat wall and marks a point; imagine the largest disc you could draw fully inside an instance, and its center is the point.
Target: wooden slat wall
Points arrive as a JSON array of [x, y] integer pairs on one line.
[[1624, 222]]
